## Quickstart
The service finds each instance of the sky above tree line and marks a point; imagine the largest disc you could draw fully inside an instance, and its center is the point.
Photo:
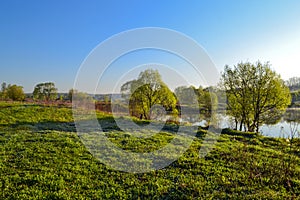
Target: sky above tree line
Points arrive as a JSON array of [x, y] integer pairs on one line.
[[44, 41]]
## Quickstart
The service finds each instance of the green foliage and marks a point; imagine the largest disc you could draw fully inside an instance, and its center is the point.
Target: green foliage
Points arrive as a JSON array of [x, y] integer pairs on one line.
[[15, 93], [295, 98], [186, 95], [30, 114], [255, 93], [228, 131], [81, 99], [45, 91], [12, 92], [3, 93], [41, 157], [208, 101], [146, 91], [78, 95], [204, 99]]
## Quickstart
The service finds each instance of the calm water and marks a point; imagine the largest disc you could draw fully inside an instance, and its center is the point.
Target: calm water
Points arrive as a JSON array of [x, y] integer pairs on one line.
[[281, 129]]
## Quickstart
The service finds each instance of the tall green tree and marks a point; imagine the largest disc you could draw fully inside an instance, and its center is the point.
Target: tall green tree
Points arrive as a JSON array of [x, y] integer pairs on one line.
[[3, 87], [208, 103], [186, 95], [198, 98], [78, 96], [71, 94], [145, 92], [207, 99], [45, 91], [256, 94], [3, 92], [15, 93]]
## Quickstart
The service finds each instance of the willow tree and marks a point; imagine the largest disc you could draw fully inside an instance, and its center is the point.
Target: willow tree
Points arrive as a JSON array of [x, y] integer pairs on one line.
[[45, 91], [256, 94], [147, 91]]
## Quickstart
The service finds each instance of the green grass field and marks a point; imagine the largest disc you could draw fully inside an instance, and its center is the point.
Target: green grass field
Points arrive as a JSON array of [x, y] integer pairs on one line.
[[41, 157]]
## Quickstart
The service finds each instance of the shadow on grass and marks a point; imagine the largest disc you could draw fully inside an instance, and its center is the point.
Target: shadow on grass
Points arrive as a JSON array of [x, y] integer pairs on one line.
[[107, 124], [43, 126]]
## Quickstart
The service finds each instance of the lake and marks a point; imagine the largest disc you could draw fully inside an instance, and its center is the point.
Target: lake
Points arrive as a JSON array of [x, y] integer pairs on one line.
[[281, 129]]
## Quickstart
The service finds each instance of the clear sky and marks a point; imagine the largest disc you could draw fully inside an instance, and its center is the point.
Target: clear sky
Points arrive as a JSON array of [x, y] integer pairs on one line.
[[48, 40]]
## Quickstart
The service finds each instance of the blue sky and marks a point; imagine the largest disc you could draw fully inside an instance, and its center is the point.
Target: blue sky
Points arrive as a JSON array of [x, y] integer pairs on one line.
[[48, 40]]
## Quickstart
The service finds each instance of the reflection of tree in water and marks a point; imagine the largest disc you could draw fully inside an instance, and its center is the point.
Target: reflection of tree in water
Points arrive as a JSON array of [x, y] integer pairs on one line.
[[282, 133], [292, 117]]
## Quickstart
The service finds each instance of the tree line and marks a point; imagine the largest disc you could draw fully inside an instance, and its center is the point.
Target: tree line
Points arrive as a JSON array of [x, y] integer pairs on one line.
[[148, 94], [293, 83], [42, 92], [255, 93], [13, 92]]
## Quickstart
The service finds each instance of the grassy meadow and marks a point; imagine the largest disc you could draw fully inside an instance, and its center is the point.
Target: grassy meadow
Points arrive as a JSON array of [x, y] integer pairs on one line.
[[42, 157]]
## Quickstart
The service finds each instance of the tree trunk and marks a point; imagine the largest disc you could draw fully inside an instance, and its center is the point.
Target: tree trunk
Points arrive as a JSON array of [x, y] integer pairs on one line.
[[241, 125], [236, 123], [257, 124]]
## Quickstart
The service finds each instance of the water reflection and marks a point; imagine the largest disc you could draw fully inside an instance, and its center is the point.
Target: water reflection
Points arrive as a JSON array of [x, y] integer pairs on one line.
[[288, 126]]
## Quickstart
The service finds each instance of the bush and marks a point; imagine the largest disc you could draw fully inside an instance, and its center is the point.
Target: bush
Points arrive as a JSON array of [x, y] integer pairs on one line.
[[228, 131]]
